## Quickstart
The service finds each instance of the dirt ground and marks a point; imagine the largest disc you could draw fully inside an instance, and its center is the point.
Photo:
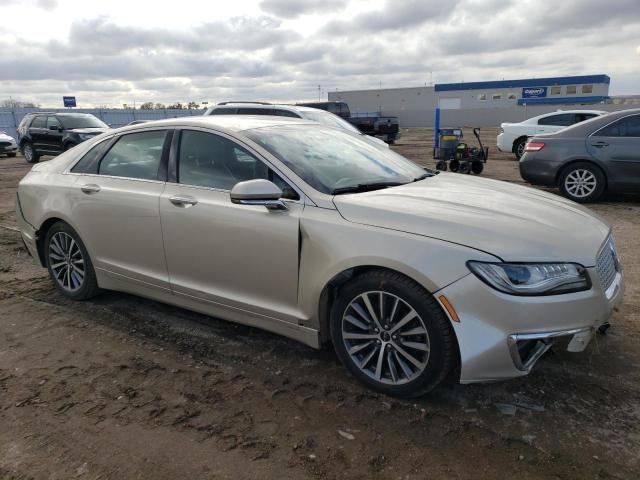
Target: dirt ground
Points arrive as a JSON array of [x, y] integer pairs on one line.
[[120, 388]]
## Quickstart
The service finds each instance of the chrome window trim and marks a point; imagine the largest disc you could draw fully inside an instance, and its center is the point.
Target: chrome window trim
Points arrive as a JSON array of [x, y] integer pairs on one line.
[[97, 175], [611, 123]]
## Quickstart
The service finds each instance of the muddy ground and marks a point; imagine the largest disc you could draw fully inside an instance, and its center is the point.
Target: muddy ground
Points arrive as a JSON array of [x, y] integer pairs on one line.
[[120, 387]]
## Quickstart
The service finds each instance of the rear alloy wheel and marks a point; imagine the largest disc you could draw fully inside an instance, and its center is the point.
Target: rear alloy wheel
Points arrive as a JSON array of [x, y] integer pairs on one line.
[[30, 155], [69, 264], [391, 334], [582, 182], [518, 148]]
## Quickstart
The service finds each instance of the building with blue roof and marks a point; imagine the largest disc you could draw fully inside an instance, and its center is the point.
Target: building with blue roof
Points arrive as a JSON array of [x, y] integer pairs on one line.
[[482, 103]]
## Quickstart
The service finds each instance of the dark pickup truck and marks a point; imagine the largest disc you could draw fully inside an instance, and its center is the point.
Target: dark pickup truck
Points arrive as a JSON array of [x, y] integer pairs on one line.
[[374, 124]]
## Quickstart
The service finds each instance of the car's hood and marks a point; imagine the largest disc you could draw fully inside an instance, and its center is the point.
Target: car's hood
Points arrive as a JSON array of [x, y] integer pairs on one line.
[[5, 138], [512, 222], [95, 131]]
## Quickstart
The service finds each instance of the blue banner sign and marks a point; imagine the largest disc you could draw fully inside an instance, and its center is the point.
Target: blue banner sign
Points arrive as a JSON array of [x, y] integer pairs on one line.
[[69, 101], [534, 92]]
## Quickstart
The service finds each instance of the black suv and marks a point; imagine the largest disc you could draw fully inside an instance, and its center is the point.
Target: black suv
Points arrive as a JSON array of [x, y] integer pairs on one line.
[[44, 133]]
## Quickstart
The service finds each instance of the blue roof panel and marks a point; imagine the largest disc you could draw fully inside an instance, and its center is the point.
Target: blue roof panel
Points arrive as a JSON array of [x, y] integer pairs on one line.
[[528, 82]]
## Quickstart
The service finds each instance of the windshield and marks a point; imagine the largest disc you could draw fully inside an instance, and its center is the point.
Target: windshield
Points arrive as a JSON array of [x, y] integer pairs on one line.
[[330, 159], [89, 121], [330, 120]]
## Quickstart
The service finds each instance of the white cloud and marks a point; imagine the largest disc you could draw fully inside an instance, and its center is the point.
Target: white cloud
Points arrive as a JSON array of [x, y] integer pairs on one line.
[[119, 51]]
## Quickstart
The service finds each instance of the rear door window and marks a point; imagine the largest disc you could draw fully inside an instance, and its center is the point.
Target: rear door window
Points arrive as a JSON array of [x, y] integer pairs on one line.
[[285, 113], [255, 111], [561, 120], [136, 155], [39, 122], [224, 111], [53, 122]]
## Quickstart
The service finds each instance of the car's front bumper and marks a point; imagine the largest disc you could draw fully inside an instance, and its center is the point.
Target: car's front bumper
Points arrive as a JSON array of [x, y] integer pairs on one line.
[[11, 148], [502, 336], [503, 143]]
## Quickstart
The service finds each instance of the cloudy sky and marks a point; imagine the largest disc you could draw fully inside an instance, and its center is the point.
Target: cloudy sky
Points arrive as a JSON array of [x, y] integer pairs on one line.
[[121, 51]]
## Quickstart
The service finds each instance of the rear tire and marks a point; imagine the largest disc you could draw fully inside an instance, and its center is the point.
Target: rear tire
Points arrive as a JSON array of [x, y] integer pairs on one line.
[[465, 167], [582, 182], [69, 263], [518, 147], [477, 167], [399, 359], [30, 154]]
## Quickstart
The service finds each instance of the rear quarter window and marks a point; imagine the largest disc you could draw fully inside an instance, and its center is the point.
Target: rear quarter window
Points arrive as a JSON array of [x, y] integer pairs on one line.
[[88, 164]]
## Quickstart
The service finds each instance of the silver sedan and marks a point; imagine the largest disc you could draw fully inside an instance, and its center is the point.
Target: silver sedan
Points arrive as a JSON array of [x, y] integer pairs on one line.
[[312, 233]]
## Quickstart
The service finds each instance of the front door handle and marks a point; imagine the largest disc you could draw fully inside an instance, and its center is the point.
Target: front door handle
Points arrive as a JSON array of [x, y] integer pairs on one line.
[[183, 201], [90, 188], [600, 144]]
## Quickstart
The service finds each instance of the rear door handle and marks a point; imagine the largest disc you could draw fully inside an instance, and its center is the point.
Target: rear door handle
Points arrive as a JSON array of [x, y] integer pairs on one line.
[[600, 144], [90, 188], [183, 201]]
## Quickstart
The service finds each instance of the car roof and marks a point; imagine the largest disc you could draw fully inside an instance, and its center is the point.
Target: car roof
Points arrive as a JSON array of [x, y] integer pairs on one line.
[[234, 123]]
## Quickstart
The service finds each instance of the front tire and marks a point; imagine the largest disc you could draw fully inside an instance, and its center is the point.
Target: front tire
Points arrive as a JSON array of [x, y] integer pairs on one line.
[[69, 263], [392, 335], [582, 182], [29, 153]]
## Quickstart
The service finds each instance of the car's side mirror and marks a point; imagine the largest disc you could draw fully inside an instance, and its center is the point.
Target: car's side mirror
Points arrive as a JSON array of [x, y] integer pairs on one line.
[[258, 192]]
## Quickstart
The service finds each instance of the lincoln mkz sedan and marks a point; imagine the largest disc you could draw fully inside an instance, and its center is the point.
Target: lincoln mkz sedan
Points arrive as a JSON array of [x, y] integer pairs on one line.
[[313, 233]]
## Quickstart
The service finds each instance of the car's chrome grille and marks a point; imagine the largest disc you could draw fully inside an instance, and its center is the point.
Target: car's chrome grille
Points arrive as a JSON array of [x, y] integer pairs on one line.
[[607, 263]]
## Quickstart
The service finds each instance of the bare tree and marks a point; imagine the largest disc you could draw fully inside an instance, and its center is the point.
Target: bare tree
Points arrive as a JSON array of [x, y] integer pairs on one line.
[[175, 106], [146, 106], [193, 106], [160, 106], [11, 103]]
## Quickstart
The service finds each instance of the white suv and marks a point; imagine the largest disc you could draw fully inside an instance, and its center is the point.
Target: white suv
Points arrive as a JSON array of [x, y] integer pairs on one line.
[[322, 117], [513, 136]]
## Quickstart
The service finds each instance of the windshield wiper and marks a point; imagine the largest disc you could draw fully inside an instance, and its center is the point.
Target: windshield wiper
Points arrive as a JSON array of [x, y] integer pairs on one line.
[[365, 187], [430, 173]]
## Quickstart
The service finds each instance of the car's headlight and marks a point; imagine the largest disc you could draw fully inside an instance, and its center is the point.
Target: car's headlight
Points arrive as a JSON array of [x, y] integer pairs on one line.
[[532, 278], [85, 136]]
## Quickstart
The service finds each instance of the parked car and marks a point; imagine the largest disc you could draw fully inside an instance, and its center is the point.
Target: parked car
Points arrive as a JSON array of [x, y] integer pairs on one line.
[[8, 145], [513, 136], [313, 233], [374, 124], [587, 159], [261, 108], [51, 133]]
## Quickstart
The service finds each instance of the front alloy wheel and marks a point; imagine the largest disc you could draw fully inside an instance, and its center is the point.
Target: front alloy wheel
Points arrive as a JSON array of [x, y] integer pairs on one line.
[[30, 154], [385, 337], [391, 334]]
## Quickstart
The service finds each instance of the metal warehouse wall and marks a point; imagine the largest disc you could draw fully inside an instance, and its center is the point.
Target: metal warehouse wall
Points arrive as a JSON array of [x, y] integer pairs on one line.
[[414, 107], [10, 118]]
